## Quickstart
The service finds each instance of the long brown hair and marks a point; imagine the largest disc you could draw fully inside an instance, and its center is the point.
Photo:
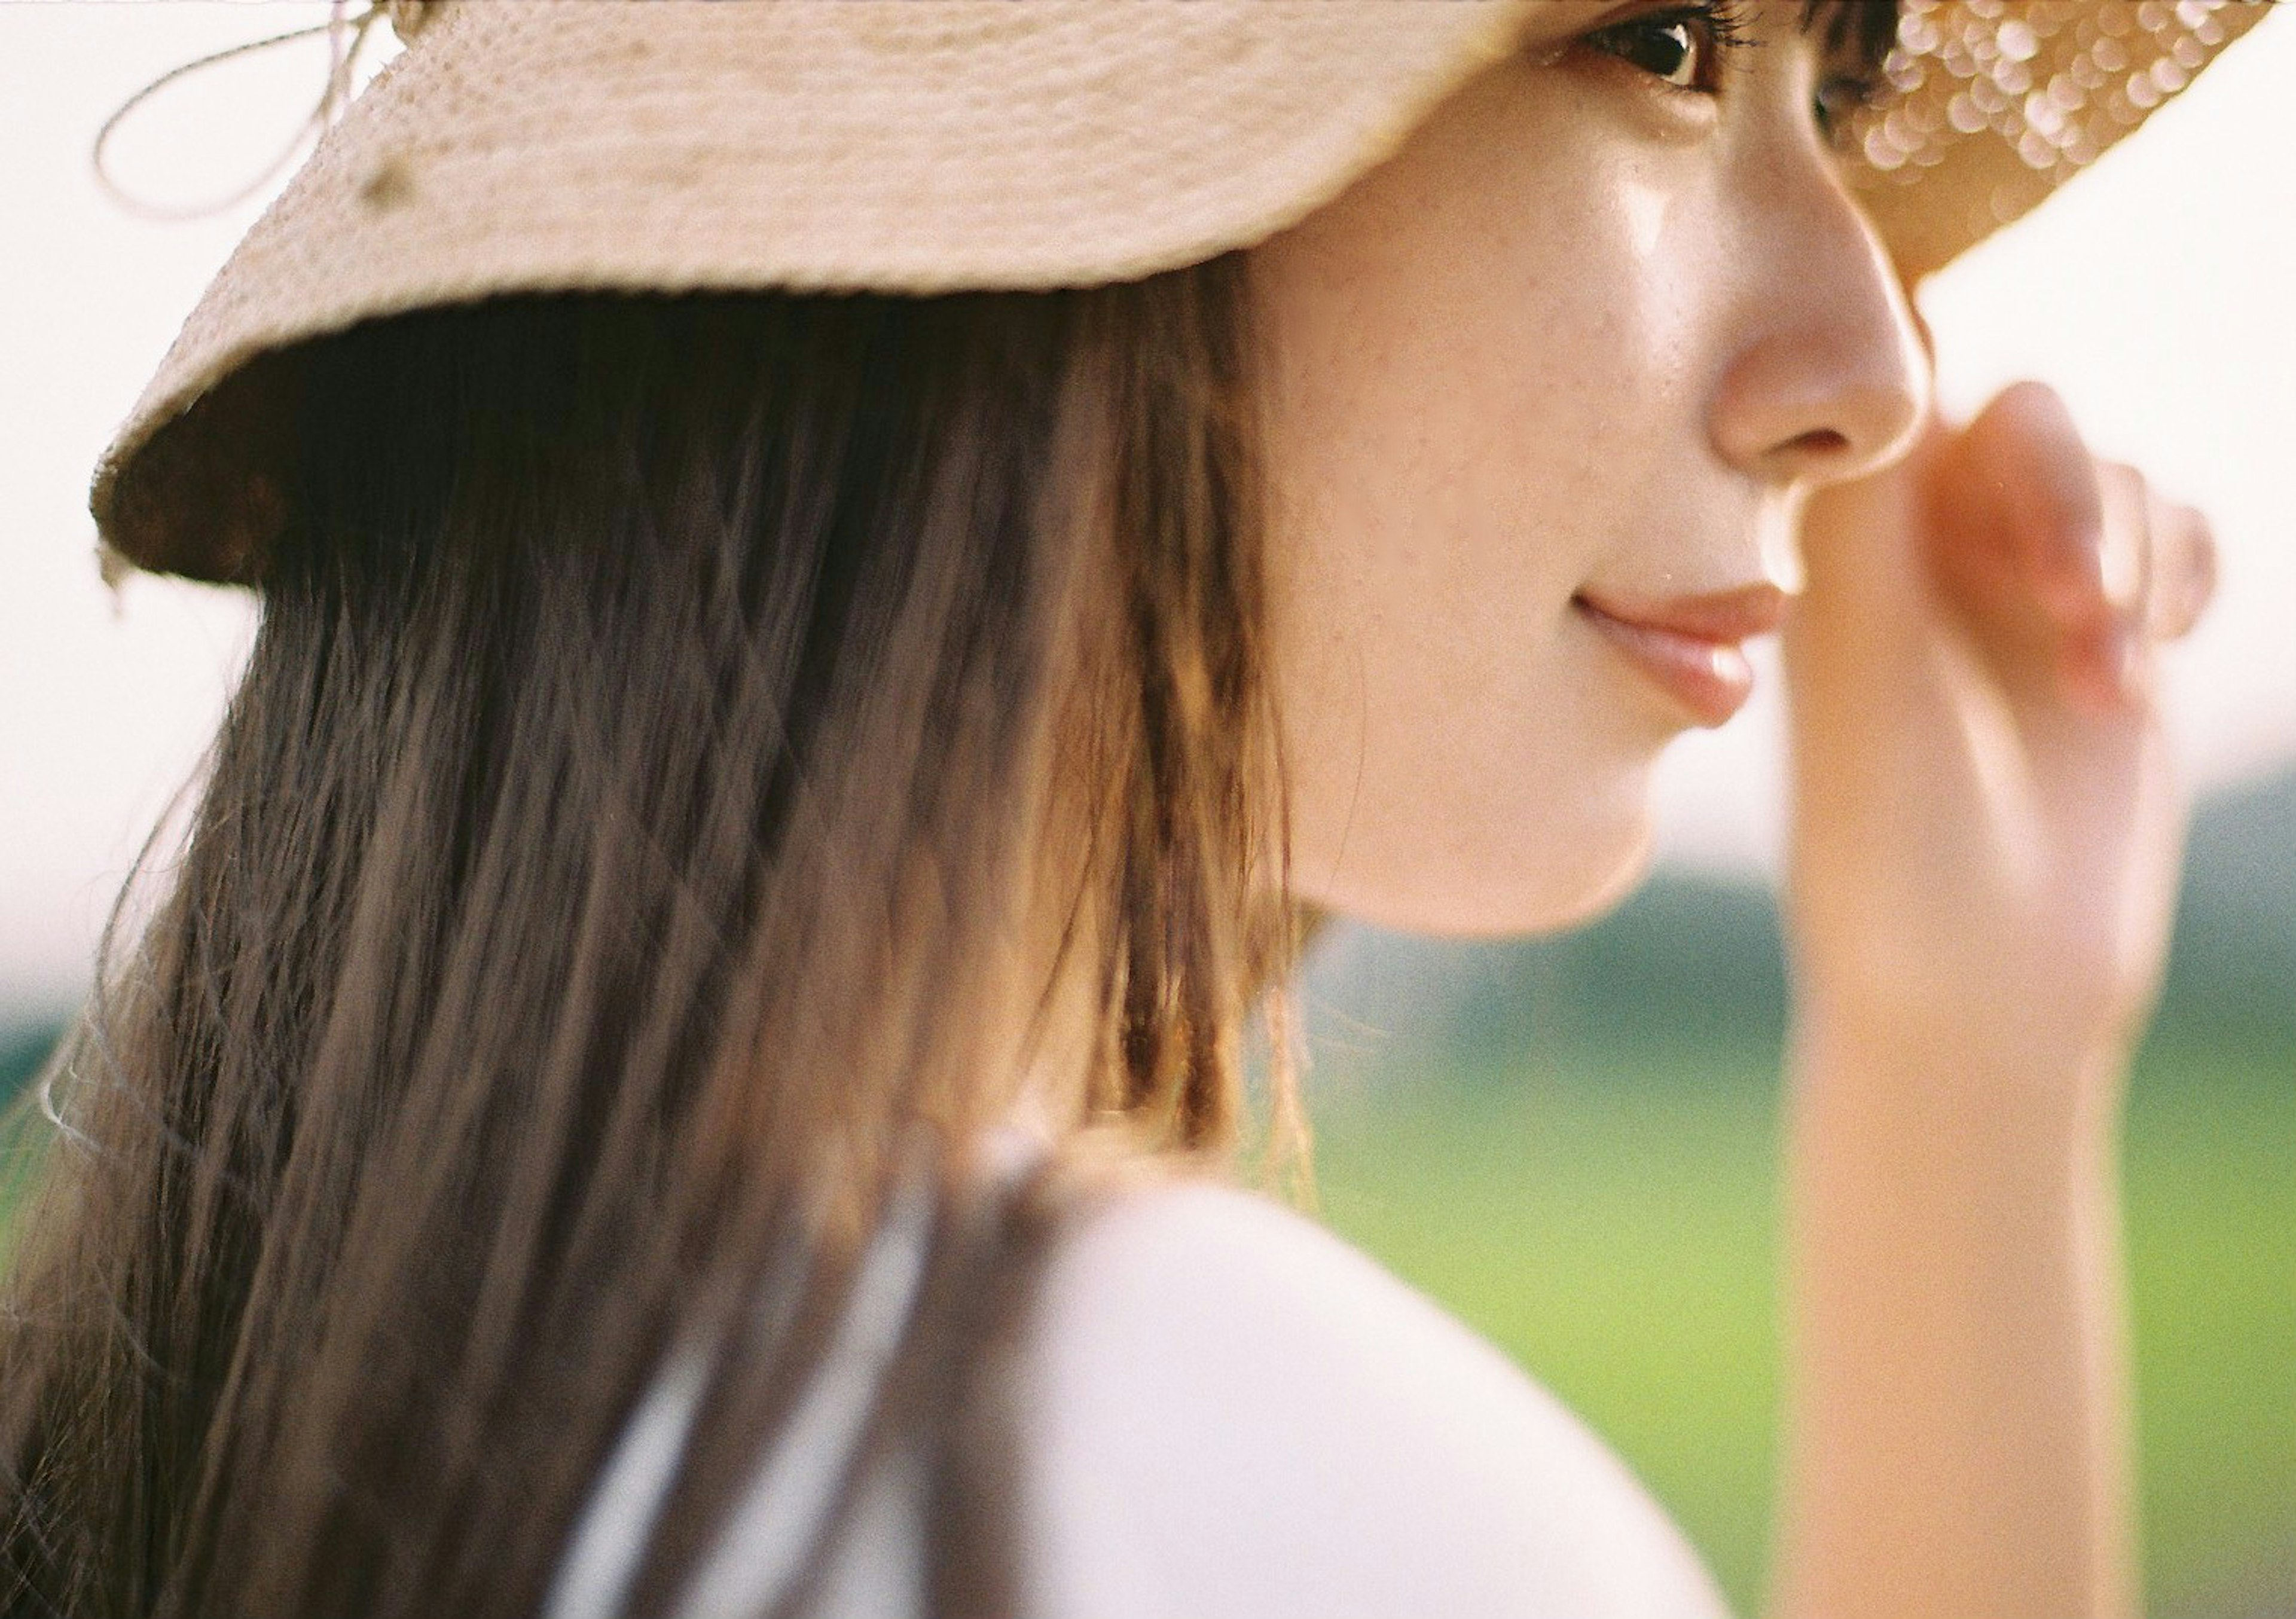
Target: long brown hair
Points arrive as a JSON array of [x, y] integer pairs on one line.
[[671, 720]]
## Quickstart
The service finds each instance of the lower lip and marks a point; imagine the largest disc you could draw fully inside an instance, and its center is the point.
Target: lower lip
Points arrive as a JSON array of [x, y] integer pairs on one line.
[[1712, 679]]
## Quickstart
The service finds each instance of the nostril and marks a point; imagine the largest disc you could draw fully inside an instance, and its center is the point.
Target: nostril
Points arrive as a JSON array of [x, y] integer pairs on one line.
[[1821, 441]]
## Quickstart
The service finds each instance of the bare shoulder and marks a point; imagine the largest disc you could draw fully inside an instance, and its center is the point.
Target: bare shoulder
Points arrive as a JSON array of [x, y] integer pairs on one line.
[[1233, 1411]]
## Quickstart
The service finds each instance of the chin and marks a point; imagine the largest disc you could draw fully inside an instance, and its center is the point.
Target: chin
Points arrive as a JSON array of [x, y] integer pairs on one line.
[[1599, 898], [1499, 897]]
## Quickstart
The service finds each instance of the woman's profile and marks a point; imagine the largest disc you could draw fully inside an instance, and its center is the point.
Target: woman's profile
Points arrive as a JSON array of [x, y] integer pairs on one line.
[[844, 584]]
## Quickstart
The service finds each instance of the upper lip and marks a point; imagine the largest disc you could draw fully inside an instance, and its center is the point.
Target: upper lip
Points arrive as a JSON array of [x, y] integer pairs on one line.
[[1722, 616]]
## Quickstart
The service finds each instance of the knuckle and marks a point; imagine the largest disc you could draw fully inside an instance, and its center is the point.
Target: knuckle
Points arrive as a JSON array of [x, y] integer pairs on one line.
[[2032, 395]]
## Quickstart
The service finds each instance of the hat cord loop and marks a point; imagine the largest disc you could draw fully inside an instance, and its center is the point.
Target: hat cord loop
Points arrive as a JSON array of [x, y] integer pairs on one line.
[[405, 17]]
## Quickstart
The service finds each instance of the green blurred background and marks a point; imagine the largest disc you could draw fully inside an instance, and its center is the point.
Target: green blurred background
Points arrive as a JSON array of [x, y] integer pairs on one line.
[[1572, 1144]]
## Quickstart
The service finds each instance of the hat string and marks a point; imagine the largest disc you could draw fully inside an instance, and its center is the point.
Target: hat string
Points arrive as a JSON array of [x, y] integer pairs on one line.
[[405, 15]]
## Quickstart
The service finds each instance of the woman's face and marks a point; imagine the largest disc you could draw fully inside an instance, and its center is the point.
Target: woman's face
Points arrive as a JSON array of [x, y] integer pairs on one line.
[[1549, 389]]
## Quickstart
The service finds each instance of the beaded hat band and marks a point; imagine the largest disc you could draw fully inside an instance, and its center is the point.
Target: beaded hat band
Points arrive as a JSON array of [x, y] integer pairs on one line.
[[922, 146], [1995, 103]]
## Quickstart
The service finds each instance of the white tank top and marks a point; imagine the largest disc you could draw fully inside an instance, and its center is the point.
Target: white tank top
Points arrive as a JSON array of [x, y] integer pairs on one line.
[[876, 1571]]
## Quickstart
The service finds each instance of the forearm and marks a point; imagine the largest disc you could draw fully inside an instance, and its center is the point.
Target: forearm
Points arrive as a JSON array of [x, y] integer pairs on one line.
[[1957, 1419]]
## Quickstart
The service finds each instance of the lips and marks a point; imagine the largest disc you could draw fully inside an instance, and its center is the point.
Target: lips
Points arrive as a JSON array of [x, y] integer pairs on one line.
[[1691, 646]]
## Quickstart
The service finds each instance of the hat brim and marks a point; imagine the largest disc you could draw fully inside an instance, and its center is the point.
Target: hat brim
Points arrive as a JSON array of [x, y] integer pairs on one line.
[[895, 145]]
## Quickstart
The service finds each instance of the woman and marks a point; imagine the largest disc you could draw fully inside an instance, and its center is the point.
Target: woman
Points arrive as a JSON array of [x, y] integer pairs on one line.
[[686, 1063]]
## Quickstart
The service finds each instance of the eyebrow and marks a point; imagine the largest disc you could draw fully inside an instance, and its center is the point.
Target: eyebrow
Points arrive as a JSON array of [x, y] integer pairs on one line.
[[1866, 28]]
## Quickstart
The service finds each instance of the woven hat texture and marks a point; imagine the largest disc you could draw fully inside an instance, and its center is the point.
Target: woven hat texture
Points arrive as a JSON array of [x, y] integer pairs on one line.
[[922, 146]]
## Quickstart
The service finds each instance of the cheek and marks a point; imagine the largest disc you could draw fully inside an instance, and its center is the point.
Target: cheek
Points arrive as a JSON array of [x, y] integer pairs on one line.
[[1464, 759], [1477, 381], [1456, 767]]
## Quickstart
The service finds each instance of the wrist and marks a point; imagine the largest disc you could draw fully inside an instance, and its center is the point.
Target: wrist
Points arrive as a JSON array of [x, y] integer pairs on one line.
[[2054, 1005], [2033, 1088]]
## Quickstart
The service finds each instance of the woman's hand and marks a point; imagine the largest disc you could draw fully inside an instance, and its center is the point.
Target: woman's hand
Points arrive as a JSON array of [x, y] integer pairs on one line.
[[1987, 823], [1988, 828]]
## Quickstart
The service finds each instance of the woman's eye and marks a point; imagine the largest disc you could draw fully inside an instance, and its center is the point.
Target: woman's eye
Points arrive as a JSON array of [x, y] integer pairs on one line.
[[1686, 48]]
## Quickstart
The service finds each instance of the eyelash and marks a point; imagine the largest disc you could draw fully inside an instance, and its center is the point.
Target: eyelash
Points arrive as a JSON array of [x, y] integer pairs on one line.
[[1727, 31], [1724, 25]]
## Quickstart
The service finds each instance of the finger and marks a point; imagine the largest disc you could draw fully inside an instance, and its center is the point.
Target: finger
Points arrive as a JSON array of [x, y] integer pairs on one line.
[[2158, 565], [2125, 548], [2184, 569], [2019, 512], [2028, 477], [2104, 662]]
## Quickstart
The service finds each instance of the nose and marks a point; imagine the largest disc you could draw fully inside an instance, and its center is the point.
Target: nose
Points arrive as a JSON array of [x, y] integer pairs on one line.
[[1831, 376]]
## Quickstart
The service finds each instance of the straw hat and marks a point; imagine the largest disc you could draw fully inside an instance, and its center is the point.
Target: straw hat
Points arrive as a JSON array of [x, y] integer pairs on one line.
[[927, 146]]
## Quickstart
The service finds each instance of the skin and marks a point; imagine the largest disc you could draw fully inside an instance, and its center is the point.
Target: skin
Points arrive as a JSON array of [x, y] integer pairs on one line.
[[1548, 349], [1589, 332]]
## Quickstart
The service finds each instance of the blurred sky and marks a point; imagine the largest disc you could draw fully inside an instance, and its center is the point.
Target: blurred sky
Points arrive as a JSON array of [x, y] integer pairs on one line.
[[2154, 294]]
